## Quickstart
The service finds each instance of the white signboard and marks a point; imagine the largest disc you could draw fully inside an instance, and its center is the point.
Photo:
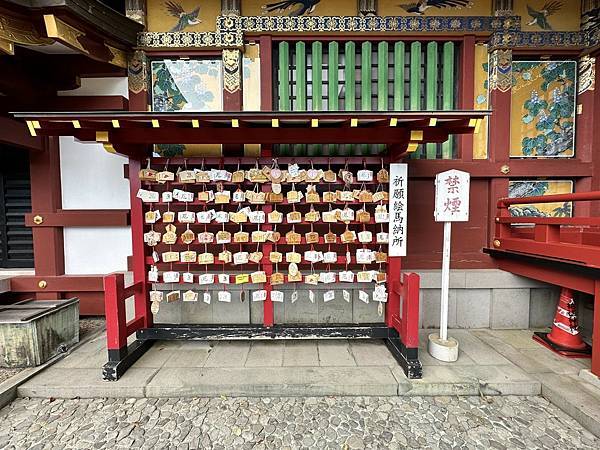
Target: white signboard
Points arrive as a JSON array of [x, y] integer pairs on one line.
[[398, 207], [452, 196]]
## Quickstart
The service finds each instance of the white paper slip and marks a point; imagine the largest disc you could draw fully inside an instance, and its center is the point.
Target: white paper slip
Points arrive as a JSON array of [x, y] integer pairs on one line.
[[328, 296]]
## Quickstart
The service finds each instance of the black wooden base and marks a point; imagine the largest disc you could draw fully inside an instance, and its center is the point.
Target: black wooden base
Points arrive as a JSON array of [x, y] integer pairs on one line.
[[408, 358], [231, 332], [120, 360]]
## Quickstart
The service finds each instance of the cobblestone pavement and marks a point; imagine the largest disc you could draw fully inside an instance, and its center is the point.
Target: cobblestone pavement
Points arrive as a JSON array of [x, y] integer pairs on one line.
[[294, 423]]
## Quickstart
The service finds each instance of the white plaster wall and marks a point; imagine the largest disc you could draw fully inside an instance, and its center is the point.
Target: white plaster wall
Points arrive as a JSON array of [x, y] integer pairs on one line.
[[96, 250], [92, 178], [100, 86]]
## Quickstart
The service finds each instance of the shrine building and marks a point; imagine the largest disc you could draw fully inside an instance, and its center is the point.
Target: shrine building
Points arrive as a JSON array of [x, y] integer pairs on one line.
[[266, 168]]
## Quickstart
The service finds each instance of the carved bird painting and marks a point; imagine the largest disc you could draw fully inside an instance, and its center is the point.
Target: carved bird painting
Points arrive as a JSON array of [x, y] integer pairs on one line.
[[421, 6], [184, 19], [540, 18], [302, 6]]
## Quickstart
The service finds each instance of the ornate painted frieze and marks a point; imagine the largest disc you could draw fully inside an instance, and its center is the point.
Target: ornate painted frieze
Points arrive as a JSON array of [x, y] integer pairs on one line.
[[137, 72], [368, 23], [231, 28], [191, 39], [536, 39], [231, 70], [586, 74], [500, 64]]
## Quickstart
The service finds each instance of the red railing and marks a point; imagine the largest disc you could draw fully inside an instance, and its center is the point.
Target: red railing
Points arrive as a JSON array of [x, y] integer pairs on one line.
[[118, 329], [574, 239]]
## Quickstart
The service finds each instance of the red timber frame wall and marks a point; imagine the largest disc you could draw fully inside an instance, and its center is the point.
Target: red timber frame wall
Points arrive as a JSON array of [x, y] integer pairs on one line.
[[489, 177], [47, 218]]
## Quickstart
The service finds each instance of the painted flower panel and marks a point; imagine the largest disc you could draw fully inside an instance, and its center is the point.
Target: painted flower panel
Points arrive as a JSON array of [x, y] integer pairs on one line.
[[543, 109], [187, 85], [530, 188]]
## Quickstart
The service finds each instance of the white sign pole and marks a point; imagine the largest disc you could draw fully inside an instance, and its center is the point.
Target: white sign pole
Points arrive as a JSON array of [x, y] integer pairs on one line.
[[445, 281], [451, 205]]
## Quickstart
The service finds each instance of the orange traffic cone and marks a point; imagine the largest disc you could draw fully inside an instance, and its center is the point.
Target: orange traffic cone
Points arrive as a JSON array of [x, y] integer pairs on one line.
[[564, 337]]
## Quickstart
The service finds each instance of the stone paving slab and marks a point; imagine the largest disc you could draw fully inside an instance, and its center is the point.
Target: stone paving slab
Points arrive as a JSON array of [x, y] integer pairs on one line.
[[300, 354], [578, 399], [292, 423], [269, 381], [325, 367], [85, 383]]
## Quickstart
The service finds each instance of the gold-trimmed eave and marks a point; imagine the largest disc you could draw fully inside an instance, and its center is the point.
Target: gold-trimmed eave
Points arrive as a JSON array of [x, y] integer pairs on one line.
[[64, 32], [119, 57], [7, 47], [14, 30]]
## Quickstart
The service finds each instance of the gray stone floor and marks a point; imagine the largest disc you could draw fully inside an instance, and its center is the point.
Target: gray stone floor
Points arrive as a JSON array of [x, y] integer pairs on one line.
[[291, 423], [304, 368]]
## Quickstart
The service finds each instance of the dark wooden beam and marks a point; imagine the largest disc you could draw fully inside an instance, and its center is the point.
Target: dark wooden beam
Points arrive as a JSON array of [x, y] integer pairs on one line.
[[79, 218]]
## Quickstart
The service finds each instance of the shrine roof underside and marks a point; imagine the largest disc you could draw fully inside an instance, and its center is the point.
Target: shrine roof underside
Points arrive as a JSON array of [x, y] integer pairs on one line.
[[126, 132]]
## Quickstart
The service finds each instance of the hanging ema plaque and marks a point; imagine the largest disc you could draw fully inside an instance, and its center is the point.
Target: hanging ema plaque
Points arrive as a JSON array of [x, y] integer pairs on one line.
[[398, 206]]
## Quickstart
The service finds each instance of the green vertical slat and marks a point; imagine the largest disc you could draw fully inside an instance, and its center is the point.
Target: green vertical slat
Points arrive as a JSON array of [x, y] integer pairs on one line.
[[350, 84], [317, 84], [284, 76], [284, 84], [431, 84], [382, 76], [415, 84], [399, 76], [333, 63], [448, 92], [317, 76], [300, 76], [365, 86], [365, 76], [350, 76], [333, 102], [415, 76], [300, 149]]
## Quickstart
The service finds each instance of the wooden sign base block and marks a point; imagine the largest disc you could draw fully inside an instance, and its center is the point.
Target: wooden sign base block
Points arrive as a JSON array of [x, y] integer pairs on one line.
[[442, 349]]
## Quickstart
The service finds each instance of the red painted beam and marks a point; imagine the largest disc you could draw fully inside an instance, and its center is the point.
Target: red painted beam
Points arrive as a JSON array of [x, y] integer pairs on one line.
[[80, 218], [488, 169], [87, 103], [578, 196], [321, 135], [15, 133], [548, 274], [64, 283]]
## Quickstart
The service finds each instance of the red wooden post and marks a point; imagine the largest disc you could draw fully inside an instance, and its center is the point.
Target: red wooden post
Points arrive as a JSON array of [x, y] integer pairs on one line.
[[499, 126], [546, 233], [48, 245], [467, 92], [596, 331], [268, 313], [266, 73], [142, 303], [114, 307], [588, 139], [410, 310]]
